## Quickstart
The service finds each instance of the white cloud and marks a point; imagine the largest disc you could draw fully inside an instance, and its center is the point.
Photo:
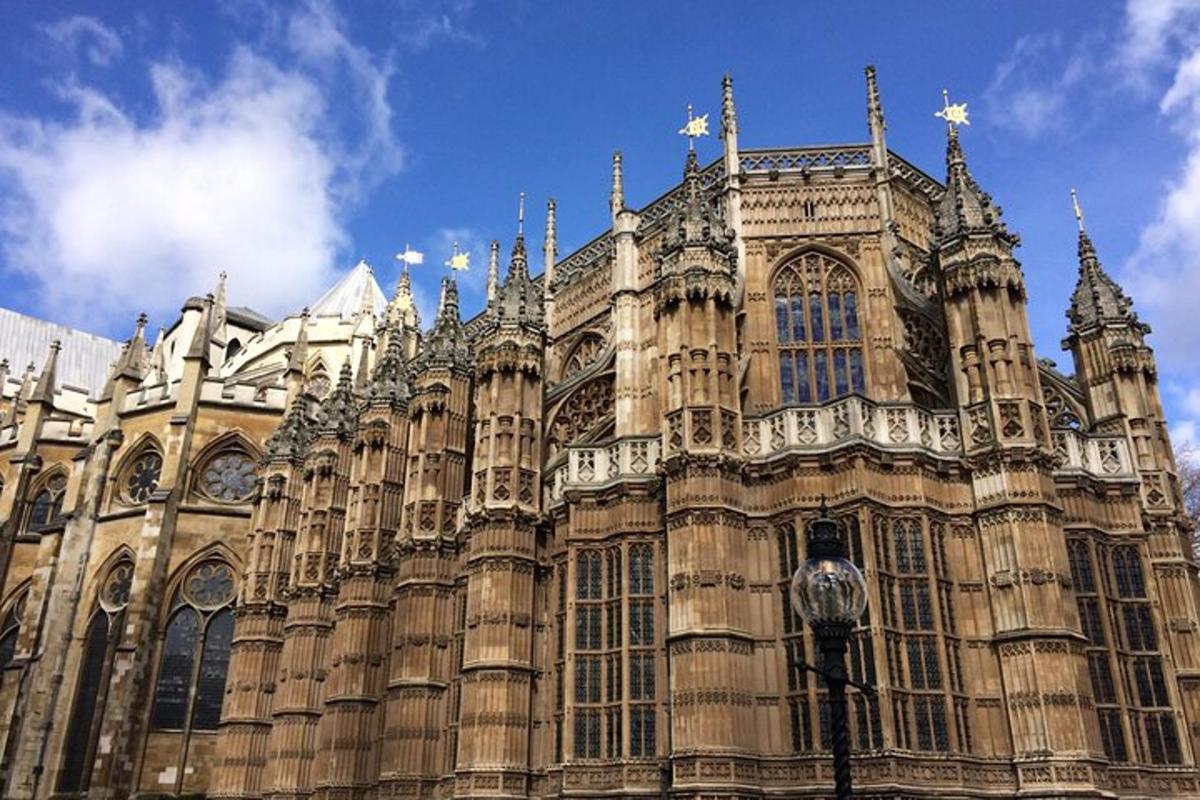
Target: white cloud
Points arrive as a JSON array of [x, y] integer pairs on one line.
[[249, 172], [1030, 90], [99, 43], [1161, 48]]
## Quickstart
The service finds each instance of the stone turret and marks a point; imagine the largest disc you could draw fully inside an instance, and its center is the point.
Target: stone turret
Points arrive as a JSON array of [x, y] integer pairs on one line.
[[501, 531]]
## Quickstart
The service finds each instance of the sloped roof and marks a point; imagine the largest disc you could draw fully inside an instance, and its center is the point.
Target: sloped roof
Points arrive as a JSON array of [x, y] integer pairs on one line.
[[83, 363], [345, 298]]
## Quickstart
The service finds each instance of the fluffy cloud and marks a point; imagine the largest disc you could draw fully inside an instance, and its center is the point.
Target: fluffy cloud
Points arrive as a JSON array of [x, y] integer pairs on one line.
[[1163, 41], [249, 172]]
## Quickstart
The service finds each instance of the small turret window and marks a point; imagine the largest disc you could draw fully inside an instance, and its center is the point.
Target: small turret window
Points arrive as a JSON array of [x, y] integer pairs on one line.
[[817, 330]]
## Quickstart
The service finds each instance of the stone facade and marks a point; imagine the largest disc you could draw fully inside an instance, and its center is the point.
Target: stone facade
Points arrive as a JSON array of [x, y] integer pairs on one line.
[[546, 552]]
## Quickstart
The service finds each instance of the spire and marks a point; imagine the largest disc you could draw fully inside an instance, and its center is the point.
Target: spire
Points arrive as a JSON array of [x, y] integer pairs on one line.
[[44, 390], [364, 366], [875, 121], [728, 113], [294, 374], [289, 442], [446, 341], [338, 415], [219, 308], [389, 381], [519, 264], [402, 309], [519, 298], [550, 245], [133, 359], [965, 208], [616, 202], [201, 339], [131, 363], [493, 275], [1098, 300]]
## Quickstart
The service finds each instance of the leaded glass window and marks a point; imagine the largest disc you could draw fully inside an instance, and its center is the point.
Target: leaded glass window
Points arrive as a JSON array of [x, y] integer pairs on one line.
[[817, 330], [46, 509], [142, 476], [10, 628], [195, 651], [228, 477], [91, 693]]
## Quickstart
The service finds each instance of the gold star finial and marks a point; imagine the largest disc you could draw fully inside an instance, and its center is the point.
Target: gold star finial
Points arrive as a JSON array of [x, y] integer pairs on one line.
[[954, 113], [1078, 210], [459, 261], [695, 127]]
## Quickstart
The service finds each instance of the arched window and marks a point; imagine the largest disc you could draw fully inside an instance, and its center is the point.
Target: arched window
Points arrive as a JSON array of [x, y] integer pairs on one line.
[[195, 652], [233, 348], [95, 668], [228, 476], [817, 328], [10, 627], [140, 478], [46, 509]]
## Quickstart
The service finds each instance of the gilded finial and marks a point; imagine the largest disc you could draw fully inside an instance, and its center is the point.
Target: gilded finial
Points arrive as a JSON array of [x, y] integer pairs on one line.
[[955, 114], [695, 127], [458, 260], [1078, 210]]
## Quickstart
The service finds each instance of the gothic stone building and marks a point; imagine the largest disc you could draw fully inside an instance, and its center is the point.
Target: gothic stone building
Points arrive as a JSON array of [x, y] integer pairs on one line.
[[545, 552]]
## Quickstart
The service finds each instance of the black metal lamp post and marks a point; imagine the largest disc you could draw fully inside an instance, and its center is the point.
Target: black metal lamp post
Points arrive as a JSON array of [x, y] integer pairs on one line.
[[830, 594]]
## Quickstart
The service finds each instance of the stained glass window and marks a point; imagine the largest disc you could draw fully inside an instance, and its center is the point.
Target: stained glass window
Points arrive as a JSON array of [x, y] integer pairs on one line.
[[141, 479], [79, 743], [228, 477], [196, 650], [46, 509], [10, 628], [210, 684], [175, 673], [817, 330]]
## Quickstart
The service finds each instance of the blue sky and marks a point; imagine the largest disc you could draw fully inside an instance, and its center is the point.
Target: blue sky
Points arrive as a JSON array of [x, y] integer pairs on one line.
[[146, 146]]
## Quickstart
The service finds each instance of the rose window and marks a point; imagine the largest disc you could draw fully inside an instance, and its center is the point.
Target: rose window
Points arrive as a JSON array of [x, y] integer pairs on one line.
[[143, 477], [229, 477]]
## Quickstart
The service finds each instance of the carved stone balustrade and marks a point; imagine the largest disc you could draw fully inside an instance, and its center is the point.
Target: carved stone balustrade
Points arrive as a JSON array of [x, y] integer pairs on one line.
[[632, 459]]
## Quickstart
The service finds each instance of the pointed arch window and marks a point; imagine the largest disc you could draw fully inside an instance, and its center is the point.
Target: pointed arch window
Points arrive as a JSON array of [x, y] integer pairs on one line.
[[95, 671], [10, 628], [46, 509], [817, 330], [195, 651]]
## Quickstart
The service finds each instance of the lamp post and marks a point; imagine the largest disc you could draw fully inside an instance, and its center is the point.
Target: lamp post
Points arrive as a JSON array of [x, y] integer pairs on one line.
[[830, 594]]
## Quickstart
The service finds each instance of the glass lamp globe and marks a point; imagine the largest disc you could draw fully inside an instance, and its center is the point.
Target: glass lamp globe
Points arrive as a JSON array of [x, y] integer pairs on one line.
[[829, 590]]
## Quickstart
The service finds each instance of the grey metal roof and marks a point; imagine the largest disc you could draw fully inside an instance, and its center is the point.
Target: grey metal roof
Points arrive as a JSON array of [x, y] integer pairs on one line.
[[345, 298], [83, 363]]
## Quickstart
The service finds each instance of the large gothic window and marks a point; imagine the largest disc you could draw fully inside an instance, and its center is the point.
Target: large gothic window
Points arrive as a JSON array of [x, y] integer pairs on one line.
[[805, 697], [817, 330], [195, 652], [95, 671]]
